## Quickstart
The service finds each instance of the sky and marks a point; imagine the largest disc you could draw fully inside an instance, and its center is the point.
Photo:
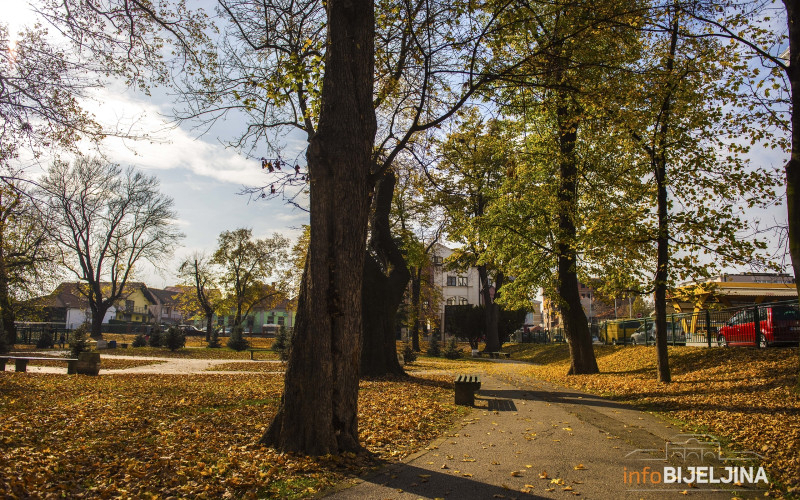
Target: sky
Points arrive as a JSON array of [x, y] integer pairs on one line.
[[202, 176]]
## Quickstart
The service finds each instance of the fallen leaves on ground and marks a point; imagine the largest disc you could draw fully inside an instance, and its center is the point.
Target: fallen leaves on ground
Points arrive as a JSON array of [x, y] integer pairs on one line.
[[146, 436], [247, 366]]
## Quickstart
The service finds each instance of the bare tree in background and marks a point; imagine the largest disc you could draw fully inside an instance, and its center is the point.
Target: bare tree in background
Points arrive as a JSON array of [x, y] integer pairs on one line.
[[106, 221]]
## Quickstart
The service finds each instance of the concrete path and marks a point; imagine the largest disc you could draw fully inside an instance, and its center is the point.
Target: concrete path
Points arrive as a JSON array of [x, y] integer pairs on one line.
[[165, 366], [531, 439]]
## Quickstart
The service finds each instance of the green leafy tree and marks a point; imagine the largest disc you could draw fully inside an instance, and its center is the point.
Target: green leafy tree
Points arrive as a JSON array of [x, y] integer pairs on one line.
[[205, 297], [567, 165], [474, 161], [245, 264]]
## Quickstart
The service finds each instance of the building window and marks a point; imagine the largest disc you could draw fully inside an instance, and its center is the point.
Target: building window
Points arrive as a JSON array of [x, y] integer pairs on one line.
[[437, 260], [451, 301], [281, 320], [128, 306], [451, 281], [462, 281], [271, 319], [463, 301]]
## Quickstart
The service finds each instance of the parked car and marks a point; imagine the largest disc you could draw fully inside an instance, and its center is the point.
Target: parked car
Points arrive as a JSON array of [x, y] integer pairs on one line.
[[191, 330], [777, 325], [640, 338]]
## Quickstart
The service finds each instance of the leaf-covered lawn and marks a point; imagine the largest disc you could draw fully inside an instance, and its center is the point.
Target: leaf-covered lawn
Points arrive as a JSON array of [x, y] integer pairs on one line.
[[744, 395], [148, 436]]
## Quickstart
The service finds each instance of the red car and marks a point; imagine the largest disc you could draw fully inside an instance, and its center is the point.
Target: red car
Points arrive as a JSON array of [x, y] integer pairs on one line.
[[777, 325]]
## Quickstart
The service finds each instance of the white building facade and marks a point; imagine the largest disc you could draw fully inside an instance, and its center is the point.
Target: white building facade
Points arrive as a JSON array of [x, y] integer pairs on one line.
[[457, 287]]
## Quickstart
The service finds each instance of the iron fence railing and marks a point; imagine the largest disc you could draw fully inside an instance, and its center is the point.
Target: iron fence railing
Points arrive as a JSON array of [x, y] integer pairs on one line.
[[761, 325]]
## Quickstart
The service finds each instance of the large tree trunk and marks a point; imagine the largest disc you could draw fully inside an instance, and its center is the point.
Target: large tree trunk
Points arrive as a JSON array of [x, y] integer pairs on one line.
[[385, 278], [576, 326], [416, 287], [492, 312], [380, 302], [6, 309], [662, 238], [98, 313], [793, 165], [318, 412], [662, 241]]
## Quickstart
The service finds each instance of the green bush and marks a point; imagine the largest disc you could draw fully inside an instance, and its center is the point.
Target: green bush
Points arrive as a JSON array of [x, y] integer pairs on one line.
[[409, 355], [156, 339], [213, 341], [434, 349], [45, 340], [139, 341], [174, 339], [283, 343], [452, 351], [236, 341], [79, 342]]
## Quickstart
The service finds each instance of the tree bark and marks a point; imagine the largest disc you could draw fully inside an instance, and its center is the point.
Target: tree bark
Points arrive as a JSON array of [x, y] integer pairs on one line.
[[659, 161], [386, 276], [9, 329], [318, 412], [492, 312], [576, 326], [6, 309], [793, 165], [416, 288]]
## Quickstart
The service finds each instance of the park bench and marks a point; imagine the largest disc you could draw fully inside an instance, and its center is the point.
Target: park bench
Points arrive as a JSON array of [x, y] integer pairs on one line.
[[466, 386], [87, 363], [257, 350]]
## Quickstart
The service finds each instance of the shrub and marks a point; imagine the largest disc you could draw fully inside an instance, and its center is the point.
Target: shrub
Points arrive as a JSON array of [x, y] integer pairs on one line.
[[452, 351], [283, 343], [409, 355], [45, 340], [434, 349], [236, 341], [213, 341], [139, 341], [155, 338], [174, 339], [79, 342]]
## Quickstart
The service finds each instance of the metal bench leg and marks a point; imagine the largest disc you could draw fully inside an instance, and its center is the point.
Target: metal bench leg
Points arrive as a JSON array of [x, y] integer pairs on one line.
[[72, 367], [21, 365]]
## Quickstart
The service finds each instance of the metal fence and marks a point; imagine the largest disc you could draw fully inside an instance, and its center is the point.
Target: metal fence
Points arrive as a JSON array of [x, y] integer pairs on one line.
[[761, 325], [758, 325]]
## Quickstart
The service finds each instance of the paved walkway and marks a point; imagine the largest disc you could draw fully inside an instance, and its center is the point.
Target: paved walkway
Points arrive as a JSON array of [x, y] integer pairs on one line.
[[165, 366], [531, 439]]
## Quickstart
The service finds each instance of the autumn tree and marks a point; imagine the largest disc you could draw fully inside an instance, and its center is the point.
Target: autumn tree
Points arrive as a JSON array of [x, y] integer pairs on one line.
[[318, 412], [106, 220], [544, 222], [28, 258], [201, 276], [245, 266], [474, 160], [688, 124], [40, 88]]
